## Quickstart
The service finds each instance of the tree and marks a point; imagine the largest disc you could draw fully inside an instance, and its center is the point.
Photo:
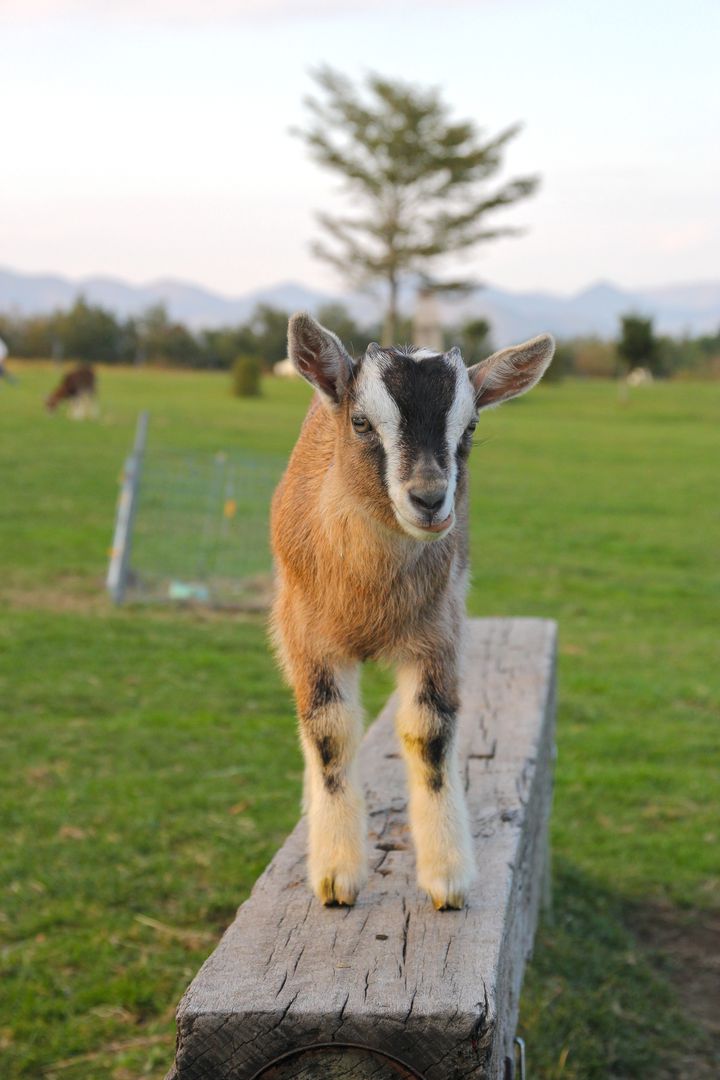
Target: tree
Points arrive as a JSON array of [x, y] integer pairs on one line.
[[88, 332], [475, 340], [161, 341], [270, 327], [563, 362], [30, 336], [417, 177], [246, 374], [220, 347], [638, 346]]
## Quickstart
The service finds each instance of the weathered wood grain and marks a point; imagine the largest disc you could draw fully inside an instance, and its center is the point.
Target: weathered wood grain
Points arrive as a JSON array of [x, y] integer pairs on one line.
[[437, 990]]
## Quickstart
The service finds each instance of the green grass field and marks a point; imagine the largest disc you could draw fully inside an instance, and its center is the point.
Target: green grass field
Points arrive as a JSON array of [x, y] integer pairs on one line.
[[149, 758]]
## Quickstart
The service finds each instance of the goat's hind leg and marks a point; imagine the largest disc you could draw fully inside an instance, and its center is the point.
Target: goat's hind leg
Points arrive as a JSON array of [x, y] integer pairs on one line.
[[330, 732], [427, 723]]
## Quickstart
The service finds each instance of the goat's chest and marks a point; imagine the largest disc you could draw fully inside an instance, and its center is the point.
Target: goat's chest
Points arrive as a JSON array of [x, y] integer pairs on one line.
[[372, 608]]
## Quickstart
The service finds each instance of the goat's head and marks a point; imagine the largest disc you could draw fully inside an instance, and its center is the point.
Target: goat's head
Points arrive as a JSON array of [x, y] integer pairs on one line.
[[405, 418]]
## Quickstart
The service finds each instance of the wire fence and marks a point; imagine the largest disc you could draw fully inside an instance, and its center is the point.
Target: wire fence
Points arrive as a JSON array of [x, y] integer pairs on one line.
[[200, 531]]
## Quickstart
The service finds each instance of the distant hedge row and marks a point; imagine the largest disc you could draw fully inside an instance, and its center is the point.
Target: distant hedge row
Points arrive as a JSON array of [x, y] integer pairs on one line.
[[92, 333]]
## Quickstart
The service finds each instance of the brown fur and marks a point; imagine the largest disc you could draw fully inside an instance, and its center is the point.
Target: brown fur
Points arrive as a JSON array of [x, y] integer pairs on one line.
[[79, 381], [351, 584]]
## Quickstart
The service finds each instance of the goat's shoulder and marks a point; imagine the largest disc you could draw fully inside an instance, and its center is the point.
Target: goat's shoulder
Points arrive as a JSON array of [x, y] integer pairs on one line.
[[297, 495]]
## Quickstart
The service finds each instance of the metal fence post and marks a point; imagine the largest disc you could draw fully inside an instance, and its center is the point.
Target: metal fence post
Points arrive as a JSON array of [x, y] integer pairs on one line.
[[122, 540]]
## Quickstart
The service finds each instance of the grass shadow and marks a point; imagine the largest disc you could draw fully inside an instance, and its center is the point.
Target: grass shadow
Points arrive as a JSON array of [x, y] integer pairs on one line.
[[620, 989]]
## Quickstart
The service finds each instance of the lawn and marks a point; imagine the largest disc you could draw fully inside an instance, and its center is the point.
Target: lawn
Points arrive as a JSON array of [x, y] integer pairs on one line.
[[150, 764]]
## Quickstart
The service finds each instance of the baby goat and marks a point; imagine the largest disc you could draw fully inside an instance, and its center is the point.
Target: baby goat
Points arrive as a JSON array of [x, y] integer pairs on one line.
[[370, 537]]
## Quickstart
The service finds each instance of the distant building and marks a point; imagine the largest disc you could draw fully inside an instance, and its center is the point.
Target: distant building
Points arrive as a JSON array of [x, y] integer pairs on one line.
[[427, 330]]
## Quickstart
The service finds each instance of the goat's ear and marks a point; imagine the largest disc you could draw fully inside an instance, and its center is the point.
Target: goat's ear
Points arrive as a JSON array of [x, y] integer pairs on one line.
[[511, 371], [318, 355]]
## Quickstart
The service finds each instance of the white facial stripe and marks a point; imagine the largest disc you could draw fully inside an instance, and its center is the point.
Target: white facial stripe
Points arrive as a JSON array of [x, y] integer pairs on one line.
[[462, 409], [459, 416], [380, 407], [424, 354]]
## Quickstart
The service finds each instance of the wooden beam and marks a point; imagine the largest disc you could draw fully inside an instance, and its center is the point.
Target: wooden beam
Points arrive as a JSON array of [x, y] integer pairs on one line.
[[396, 987]]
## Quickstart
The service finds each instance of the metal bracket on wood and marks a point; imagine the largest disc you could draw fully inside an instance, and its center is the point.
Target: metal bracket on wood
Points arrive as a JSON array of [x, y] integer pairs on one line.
[[120, 552], [310, 1058], [519, 1045], [515, 1066]]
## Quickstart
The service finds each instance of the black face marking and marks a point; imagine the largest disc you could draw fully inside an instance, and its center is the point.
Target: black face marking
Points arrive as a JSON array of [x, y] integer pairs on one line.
[[375, 453], [424, 391], [465, 444]]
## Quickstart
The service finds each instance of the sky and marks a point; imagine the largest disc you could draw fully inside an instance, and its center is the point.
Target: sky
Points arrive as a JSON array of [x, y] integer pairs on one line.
[[150, 138]]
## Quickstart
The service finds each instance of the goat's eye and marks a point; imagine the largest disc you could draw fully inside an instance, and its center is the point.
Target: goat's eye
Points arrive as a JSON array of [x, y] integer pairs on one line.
[[361, 424], [471, 427]]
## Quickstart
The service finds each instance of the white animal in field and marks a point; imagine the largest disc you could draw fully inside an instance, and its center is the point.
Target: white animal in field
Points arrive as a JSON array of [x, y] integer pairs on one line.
[[370, 537], [639, 376], [285, 369]]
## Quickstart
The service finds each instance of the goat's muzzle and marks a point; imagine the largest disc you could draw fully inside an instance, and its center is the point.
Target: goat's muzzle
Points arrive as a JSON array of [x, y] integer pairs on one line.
[[428, 500]]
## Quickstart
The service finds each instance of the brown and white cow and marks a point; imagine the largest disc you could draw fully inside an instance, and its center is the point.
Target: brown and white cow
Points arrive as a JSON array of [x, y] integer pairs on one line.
[[78, 387]]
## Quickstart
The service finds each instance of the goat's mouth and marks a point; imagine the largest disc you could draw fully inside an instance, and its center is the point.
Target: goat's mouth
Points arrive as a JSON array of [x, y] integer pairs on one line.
[[425, 530]]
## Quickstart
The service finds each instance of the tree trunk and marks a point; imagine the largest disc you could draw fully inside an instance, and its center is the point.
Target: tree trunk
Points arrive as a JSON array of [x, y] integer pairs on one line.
[[389, 331]]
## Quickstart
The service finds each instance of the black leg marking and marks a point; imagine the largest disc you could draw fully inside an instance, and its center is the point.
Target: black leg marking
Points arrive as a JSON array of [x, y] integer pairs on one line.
[[325, 690], [431, 696], [325, 693], [326, 749], [433, 752], [444, 705], [329, 759]]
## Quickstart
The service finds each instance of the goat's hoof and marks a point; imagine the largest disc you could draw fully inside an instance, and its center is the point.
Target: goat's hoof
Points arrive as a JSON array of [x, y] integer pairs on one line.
[[339, 890], [448, 893], [448, 900]]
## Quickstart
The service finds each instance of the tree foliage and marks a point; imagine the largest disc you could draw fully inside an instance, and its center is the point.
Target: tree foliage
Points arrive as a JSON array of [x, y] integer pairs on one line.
[[246, 374], [474, 340], [638, 346], [417, 178], [91, 333]]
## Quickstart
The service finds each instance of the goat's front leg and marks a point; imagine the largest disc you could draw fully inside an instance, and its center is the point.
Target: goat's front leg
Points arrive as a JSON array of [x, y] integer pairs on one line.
[[330, 731], [427, 723]]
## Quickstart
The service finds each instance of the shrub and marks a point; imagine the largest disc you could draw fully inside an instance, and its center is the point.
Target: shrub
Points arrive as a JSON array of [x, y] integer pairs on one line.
[[638, 346], [246, 377], [595, 358], [563, 362]]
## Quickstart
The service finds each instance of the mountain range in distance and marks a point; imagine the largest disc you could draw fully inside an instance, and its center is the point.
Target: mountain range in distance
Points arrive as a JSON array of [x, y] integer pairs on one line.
[[691, 308]]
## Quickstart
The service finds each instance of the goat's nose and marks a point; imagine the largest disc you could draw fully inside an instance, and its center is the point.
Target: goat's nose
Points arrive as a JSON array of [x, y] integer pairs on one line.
[[428, 499]]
